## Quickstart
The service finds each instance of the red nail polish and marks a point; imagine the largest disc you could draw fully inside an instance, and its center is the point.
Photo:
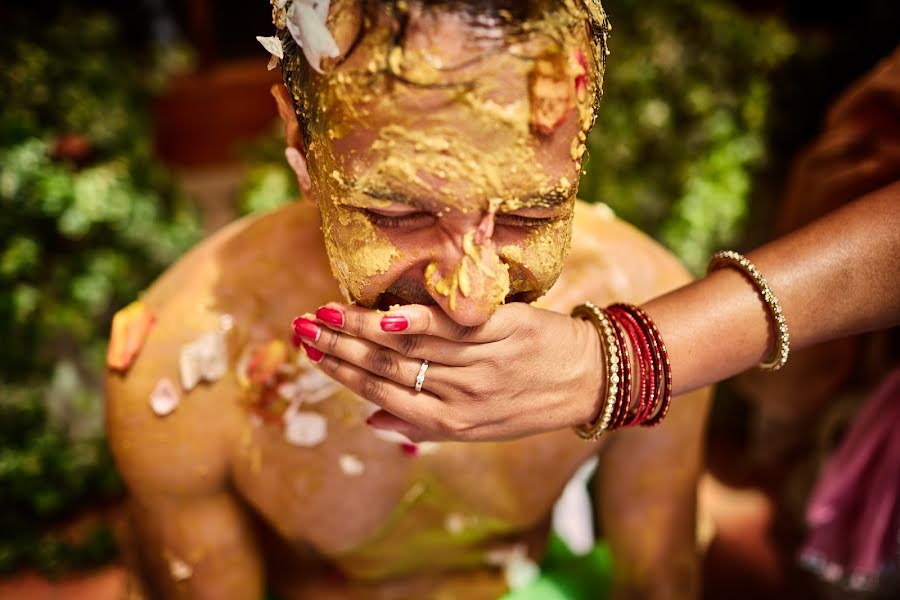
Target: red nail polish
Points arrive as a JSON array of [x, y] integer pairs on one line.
[[394, 324], [313, 354], [330, 316], [409, 449], [306, 329], [296, 340]]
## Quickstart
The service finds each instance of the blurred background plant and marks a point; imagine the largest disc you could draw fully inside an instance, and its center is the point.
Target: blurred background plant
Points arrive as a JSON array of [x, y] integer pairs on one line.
[[87, 219], [681, 128]]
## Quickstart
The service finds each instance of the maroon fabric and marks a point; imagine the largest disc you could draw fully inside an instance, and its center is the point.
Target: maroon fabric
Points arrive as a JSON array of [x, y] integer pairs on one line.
[[854, 511]]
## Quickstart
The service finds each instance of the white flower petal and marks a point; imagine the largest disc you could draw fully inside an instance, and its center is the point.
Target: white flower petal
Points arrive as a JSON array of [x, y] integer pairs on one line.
[[521, 572], [455, 523], [311, 387], [351, 465], [306, 22], [226, 322], [180, 570], [391, 436], [273, 62], [518, 568], [206, 359], [305, 429], [428, 448], [573, 518], [164, 398], [272, 45]]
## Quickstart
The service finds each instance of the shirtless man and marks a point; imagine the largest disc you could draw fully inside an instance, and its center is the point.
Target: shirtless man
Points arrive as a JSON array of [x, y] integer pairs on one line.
[[440, 147]]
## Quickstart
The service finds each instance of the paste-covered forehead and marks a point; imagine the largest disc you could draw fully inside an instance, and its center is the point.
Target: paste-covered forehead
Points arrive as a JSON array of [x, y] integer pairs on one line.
[[383, 31]]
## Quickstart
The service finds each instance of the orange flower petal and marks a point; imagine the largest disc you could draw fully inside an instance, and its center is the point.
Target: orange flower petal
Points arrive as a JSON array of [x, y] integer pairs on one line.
[[265, 361], [130, 327]]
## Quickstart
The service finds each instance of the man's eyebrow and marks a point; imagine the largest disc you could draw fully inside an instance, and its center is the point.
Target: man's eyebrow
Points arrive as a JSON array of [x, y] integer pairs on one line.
[[391, 196], [551, 199]]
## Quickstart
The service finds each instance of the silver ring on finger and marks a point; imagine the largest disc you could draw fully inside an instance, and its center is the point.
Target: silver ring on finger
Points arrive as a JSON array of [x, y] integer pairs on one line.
[[420, 378]]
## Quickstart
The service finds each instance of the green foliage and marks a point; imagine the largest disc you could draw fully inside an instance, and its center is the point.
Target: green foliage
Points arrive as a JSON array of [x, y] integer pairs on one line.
[[680, 129], [268, 182], [87, 219]]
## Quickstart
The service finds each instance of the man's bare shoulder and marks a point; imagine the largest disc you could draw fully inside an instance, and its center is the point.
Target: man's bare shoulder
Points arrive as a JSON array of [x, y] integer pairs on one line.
[[611, 260], [193, 301], [273, 235]]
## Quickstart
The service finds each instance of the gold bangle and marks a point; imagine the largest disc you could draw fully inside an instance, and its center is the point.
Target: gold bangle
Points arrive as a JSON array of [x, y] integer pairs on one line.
[[610, 347], [730, 258]]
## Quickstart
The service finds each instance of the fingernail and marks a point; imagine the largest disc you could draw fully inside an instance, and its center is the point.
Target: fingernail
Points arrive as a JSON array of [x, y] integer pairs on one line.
[[396, 323], [306, 329], [314, 355], [297, 340], [409, 449], [330, 316]]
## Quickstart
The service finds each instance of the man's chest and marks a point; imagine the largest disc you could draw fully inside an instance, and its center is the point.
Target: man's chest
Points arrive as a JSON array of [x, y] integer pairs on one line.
[[355, 488]]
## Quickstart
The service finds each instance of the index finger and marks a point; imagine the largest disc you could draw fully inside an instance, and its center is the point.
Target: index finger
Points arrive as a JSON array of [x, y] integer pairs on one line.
[[417, 319]]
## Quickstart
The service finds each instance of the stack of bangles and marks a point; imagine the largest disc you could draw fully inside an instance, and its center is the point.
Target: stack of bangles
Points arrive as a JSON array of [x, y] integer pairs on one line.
[[626, 328]]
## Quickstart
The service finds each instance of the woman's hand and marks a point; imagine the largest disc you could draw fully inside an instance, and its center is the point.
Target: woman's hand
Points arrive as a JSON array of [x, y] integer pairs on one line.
[[525, 371]]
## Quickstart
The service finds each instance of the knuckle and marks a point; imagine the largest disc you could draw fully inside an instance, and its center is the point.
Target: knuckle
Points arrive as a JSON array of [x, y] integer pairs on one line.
[[328, 364], [524, 328], [373, 390], [453, 425], [409, 345], [463, 333], [427, 319], [467, 388], [381, 362], [492, 364], [330, 341], [354, 321]]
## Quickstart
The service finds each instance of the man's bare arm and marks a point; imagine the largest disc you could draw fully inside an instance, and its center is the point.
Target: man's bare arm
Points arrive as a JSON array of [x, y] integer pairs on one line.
[[646, 491], [195, 548], [191, 537]]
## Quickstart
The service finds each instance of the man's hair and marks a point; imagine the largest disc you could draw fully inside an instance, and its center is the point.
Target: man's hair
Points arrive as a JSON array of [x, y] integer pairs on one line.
[[508, 14]]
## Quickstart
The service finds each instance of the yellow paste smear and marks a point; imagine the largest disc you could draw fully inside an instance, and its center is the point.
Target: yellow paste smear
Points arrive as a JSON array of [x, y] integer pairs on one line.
[[479, 275], [434, 157]]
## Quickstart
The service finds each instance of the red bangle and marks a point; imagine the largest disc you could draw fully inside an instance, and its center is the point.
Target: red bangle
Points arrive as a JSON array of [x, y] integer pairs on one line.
[[644, 358], [662, 360]]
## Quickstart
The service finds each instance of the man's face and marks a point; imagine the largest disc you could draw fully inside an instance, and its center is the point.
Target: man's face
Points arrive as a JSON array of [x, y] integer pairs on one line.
[[460, 192]]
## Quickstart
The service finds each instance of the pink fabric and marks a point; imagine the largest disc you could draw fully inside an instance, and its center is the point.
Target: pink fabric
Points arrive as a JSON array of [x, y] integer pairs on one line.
[[854, 511]]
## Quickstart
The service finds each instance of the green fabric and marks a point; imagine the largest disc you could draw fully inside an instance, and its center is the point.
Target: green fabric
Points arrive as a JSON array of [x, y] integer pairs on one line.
[[564, 576]]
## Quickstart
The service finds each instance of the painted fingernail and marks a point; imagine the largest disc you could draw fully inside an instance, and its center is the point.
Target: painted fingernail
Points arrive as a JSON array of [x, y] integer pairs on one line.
[[314, 355], [307, 329], [330, 316], [409, 449], [394, 323], [296, 340]]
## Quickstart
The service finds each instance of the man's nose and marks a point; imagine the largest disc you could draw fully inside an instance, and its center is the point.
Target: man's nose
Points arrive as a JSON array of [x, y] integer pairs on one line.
[[469, 282]]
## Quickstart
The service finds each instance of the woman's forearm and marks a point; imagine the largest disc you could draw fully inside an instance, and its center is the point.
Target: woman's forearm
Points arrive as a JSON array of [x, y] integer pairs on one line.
[[838, 276]]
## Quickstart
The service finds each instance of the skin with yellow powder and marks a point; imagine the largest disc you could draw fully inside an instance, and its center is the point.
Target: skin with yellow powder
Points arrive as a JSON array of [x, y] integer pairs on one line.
[[454, 195], [483, 150]]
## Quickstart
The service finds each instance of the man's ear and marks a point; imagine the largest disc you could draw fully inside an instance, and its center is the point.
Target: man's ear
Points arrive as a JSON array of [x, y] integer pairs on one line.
[[295, 152]]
